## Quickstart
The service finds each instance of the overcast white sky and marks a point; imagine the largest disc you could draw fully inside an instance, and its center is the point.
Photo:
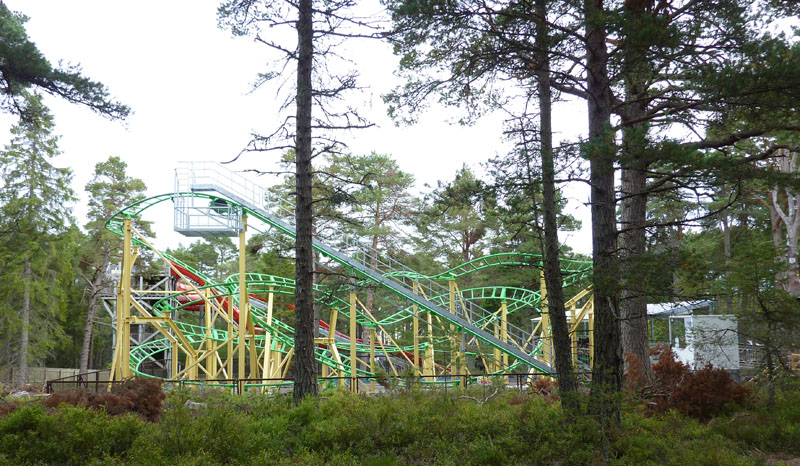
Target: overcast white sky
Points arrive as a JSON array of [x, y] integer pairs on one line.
[[188, 84]]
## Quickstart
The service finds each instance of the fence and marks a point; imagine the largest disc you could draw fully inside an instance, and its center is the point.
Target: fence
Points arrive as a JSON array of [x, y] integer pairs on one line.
[[40, 375], [98, 382]]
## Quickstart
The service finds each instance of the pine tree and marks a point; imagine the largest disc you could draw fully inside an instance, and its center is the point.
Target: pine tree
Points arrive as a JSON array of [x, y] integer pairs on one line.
[[379, 199], [319, 28], [23, 66], [457, 215], [34, 217], [109, 190]]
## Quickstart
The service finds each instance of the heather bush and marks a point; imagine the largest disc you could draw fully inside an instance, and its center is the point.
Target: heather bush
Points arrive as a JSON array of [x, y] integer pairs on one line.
[[143, 396], [546, 388], [146, 396], [701, 395], [635, 378], [707, 392]]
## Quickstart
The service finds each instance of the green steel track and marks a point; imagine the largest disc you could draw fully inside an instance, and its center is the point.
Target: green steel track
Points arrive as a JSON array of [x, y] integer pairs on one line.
[[282, 335]]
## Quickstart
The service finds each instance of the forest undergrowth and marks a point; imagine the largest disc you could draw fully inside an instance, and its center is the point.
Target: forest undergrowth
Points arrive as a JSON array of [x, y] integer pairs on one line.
[[494, 427]]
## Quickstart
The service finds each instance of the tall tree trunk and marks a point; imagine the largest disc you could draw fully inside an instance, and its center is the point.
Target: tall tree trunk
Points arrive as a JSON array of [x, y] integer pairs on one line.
[[607, 370], [27, 277], [95, 287], [305, 368], [777, 234], [633, 240], [770, 374], [633, 308], [562, 345], [789, 213], [726, 250]]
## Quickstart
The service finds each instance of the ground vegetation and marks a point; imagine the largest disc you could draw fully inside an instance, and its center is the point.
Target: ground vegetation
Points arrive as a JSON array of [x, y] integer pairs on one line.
[[209, 427]]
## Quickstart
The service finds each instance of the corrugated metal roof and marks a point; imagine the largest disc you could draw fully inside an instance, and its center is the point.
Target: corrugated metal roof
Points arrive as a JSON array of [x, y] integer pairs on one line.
[[680, 308]]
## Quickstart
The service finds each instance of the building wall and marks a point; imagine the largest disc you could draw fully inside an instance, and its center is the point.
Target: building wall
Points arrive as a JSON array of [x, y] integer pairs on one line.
[[715, 340]]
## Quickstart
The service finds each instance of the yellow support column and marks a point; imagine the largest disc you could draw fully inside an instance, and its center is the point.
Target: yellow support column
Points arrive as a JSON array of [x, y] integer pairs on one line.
[[416, 334], [574, 336], [211, 347], [429, 365], [267, 371], [591, 334], [243, 308], [372, 337], [504, 329], [191, 374], [497, 355], [174, 359], [353, 354], [455, 358], [121, 369], [229, 344], [332, 323], [252, 347], [547, 346]]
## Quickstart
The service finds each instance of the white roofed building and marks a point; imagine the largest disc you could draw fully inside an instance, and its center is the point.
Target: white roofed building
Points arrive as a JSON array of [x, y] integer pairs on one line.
[[696, 333]]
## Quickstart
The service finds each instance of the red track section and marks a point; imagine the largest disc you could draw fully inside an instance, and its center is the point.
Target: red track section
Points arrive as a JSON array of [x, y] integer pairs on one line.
[[185, 298], [223, 301]]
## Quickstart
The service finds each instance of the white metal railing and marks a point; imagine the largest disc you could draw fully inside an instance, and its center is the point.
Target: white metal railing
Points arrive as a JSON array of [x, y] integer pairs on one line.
[[193, 220]]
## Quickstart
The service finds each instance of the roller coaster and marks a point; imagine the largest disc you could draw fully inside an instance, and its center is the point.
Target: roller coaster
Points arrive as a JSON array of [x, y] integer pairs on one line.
[[228, 332]]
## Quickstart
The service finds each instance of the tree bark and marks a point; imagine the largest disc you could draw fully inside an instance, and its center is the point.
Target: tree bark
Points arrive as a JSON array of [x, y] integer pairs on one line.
[[305, 372], [562, 345], [726, 248], [633, 240], [95, 287], [364, 330], [633, 307], [607, 370], [770, 376], [790, 217], [27, 276]]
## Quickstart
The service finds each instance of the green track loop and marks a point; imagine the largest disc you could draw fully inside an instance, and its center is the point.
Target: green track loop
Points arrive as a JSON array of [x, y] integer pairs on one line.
[[282, 334]]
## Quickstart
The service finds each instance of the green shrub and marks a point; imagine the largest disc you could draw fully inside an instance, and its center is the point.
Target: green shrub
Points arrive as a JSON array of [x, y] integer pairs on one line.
[[68, 436], [768, 428], [412, 427]]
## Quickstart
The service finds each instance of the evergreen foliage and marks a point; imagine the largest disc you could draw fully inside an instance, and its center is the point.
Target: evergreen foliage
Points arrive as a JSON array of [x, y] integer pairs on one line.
[[23, 67], [214, 257], [37, 243], [110, 189], [457, 220]]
